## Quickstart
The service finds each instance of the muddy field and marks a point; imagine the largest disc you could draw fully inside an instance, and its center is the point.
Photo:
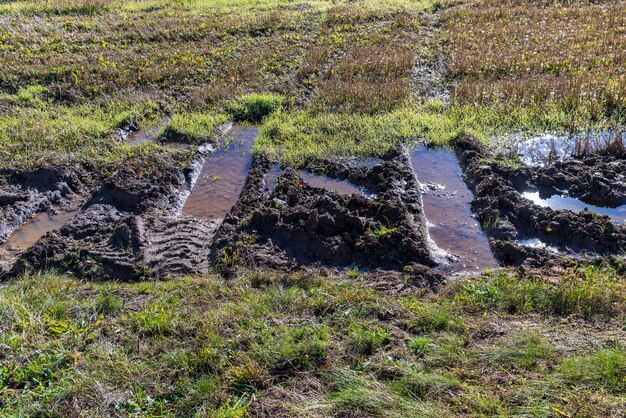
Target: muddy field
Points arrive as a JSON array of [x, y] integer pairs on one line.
[[420, 210]]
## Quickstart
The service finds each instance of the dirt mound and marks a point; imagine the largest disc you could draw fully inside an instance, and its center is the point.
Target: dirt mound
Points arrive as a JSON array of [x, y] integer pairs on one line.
[[128, 230], [507, 217], [296, 224]]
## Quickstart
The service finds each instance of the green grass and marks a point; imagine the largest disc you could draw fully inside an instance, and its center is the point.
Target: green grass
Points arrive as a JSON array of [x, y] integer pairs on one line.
[[587, 291], [295, 343], [194, 127], [255, 107]]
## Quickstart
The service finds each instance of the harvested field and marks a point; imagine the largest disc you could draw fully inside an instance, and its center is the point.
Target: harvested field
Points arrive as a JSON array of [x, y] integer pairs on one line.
[[312, 208]]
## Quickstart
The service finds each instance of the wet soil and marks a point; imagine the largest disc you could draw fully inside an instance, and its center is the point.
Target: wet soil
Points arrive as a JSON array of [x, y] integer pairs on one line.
[[29, 233], [447, 207], [370, 214], [34, 202], [126, 230], [507, 217], [296, 223]]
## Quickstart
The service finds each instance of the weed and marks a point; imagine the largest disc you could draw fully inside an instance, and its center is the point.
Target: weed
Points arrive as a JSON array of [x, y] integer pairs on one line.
[[420, 345], [382, 232], [108, 303]]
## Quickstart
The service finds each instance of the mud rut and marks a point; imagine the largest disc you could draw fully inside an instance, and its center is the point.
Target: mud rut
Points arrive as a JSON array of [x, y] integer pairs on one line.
[[130, 227]]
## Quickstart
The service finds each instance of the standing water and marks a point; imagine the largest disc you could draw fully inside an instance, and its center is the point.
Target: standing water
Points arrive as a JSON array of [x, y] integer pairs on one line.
[[452, 225], [556, 202], [29, 233], [222, 177], [324, 182]]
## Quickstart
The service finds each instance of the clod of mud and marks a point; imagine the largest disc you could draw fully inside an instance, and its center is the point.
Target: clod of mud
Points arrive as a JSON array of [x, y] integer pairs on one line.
[[298, 224], [507, 217]]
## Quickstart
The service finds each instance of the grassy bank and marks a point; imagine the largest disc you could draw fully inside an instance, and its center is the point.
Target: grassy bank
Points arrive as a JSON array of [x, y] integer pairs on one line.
[[306, 345]]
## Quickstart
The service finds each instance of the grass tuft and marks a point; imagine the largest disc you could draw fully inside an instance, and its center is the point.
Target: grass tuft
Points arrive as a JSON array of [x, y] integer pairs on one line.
[[256, 107]]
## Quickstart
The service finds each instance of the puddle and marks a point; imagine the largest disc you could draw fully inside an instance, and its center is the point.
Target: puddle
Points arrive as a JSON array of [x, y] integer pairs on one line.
[[541, 149], [222, 177], [368, 162], [28, 234], [556, 202], [139, 136], [452, 225], [323, 181]]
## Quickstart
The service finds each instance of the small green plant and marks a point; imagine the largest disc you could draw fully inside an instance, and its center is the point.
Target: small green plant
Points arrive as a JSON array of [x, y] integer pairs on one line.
[[353, 273], [366, 339], [155, 320], [107, 302], [419, 345], [382, 232]]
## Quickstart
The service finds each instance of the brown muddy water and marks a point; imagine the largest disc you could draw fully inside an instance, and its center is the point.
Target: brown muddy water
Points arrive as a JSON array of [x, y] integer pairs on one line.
[[222, 176], [324, 182], [556, 202], [447, 199], [29, 233]]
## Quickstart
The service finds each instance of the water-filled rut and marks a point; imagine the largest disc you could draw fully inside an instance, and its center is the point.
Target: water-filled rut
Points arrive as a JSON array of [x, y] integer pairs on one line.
[[222, 177], [451, 223]]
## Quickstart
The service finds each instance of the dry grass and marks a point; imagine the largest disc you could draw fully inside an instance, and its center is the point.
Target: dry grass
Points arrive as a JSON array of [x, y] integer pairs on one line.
[[195, 57], [530, 53]]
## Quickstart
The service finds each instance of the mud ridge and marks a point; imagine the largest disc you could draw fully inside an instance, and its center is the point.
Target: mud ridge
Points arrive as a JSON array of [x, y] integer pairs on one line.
[[507, 217], [296, 224], [128, 230]]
